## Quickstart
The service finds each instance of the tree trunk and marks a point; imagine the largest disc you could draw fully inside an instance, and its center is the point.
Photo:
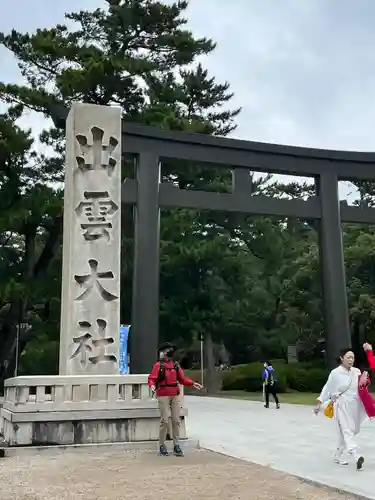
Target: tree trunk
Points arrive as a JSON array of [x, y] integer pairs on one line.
[[223, 354], [211, 379], [8, 336], [8, 345]]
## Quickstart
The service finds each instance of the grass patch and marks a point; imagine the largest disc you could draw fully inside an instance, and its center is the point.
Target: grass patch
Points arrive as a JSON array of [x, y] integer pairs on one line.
[[296, 398], [293, 398]]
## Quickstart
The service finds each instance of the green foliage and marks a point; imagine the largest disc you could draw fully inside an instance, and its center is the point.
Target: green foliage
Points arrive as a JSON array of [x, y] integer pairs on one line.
[[249, 377], [303, 377], [40, 357], [30, 216]]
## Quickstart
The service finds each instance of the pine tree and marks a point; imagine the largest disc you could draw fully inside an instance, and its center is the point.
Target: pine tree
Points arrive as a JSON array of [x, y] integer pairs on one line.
[[137, 54], [30, 222]]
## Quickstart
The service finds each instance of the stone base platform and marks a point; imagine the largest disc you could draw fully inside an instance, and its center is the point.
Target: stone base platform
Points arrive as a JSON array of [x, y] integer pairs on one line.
[[76, 410]]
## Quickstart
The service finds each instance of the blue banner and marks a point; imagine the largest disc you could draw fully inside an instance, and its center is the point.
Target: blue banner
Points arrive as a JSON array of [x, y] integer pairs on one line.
[[124, 337]]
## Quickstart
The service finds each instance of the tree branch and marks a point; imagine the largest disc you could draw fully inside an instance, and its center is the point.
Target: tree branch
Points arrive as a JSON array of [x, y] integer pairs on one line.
[[49, 248], [6, 241]]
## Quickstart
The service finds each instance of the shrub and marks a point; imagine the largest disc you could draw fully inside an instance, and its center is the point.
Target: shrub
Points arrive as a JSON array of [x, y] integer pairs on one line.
[[249, 378], [305, 378], [302, 377], [235, 380], [215, 383]]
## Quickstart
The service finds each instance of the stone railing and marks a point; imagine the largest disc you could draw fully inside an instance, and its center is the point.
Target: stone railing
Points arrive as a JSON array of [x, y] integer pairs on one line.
[[77, 392], [79, 409]]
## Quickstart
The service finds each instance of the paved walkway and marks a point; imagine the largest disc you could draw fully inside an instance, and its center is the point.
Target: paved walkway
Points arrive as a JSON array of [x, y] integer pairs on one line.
[[291, 440]]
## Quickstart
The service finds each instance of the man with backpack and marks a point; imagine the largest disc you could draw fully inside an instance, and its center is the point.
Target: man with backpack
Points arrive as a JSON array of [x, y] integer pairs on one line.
[[270, 384], [165, 380]]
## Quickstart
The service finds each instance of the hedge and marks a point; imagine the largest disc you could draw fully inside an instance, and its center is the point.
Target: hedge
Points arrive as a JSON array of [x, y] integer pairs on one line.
[[302, 377]]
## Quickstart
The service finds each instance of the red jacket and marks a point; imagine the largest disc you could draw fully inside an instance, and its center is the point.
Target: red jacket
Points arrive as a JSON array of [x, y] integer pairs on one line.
[[367, 400], [364, 394], [371, 359], [170, 385]]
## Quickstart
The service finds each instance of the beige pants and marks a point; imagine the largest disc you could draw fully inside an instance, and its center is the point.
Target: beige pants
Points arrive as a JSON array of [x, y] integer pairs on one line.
[[172, 404]]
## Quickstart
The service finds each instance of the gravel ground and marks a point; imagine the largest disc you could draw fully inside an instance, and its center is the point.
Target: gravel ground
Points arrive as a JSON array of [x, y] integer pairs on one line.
[[201, 475]]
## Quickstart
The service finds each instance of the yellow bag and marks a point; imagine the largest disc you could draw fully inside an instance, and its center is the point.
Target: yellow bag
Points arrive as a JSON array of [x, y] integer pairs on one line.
[[328, 412]]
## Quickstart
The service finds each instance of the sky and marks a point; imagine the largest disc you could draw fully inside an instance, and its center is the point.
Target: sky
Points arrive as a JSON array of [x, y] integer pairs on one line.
[[303, 71]]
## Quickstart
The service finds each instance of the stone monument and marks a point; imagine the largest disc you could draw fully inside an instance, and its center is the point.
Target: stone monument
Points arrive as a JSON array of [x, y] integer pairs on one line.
[[90, 312], [88, 402]]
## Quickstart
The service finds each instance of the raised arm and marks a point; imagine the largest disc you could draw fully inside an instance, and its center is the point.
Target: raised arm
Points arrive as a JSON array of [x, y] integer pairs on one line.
[[187, 381], [370, 355], [182, 379]]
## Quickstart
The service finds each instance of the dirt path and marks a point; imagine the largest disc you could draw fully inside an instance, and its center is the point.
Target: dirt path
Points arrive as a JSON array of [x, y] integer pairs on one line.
[[95, 475]]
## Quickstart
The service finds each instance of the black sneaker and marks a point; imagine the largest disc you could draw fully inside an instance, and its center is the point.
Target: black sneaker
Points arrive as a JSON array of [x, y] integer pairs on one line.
[[278, 406], [360, 463], [177, 451], [163, 451], [266, 406]]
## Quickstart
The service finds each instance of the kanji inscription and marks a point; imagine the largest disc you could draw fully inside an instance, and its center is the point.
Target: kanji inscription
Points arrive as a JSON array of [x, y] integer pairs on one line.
[[96, 156], [92, 348], [90, 282], [90, 299], [95, 213]]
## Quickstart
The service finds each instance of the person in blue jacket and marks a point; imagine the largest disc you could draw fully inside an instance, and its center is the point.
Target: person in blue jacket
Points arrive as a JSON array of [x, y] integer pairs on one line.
[[270, 384]]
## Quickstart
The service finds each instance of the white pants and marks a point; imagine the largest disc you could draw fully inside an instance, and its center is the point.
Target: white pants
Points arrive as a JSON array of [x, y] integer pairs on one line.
[[346, 441], [348, 416]]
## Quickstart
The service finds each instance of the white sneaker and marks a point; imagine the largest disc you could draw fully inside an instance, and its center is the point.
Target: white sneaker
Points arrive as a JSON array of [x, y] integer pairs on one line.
[[339, 460]]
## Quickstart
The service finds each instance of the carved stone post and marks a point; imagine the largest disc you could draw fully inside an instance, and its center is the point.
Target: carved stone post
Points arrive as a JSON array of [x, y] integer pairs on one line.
[[90, 314]]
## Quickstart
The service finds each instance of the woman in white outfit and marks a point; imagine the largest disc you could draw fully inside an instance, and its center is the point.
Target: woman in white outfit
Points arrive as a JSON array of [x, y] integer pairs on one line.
[[342, 389]]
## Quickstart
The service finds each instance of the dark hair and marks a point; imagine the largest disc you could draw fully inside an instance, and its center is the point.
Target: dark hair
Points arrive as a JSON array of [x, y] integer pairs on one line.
[[345, 350], [267, 363], [342, 353]]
